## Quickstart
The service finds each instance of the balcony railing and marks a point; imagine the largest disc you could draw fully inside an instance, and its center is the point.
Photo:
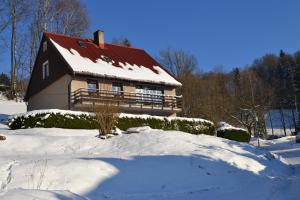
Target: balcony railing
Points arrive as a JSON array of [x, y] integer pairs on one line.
[[91, 98]]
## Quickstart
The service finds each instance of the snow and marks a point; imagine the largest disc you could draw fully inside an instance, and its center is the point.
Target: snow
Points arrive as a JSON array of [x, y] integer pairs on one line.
[[84, 65], [225, 126], [145, 116], [18, 194], [151, 164], [8, 108], [277, 124], [122, 115], [288, 150], [52, 163]]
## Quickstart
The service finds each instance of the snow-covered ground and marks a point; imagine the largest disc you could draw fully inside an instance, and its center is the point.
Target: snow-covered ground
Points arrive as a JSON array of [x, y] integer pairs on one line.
[[290, 151], [8, 108], [275, 117], [56, 163]]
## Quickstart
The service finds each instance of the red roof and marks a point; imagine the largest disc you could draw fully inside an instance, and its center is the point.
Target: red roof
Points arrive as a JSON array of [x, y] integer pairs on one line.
[[115, 52]]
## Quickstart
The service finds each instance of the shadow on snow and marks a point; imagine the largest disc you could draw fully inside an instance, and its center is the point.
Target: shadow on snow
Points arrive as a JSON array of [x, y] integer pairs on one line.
[[181, 177]]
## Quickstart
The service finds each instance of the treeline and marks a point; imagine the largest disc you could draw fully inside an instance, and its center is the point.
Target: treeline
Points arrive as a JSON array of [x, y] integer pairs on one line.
[[22, 23], [243, 96]]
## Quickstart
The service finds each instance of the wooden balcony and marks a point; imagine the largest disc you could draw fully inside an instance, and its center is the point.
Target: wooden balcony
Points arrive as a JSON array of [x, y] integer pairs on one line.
[[88, 100]]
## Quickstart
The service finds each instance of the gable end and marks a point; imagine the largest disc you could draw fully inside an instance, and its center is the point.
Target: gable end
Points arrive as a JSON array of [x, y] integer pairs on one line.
[[58, 67]]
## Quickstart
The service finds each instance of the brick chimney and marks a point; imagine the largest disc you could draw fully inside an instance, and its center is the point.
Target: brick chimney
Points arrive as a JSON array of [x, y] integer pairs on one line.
[[99, 38]]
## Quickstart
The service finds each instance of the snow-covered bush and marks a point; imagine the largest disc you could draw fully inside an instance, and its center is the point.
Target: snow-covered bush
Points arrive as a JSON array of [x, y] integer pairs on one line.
[[227, 131], [56, 119], [83, 120]]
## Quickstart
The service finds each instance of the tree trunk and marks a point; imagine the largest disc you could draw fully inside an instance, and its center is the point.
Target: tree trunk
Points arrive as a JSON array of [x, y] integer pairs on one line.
[[294, 119], [282, 120], [13, 49], [271, 122]]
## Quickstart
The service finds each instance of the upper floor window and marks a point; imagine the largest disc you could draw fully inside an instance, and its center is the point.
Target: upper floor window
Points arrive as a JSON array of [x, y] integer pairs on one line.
[[92, 86], [117, 88], [149, 90], [44, 46], [45, 69], [149, 93]]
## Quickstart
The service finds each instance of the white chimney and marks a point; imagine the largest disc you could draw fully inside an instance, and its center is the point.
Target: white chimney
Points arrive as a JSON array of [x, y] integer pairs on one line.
[[99, 38]]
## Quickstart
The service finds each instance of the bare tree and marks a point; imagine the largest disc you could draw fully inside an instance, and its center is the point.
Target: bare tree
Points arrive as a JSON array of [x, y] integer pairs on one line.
[[179, 62], [254, 102], [12, 13], [67, 17]]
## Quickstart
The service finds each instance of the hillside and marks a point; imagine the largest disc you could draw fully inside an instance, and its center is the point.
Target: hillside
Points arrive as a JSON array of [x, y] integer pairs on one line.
[[56, 163]]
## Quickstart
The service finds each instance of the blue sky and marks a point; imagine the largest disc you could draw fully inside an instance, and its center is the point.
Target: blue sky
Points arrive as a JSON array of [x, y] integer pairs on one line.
[[231, 33]]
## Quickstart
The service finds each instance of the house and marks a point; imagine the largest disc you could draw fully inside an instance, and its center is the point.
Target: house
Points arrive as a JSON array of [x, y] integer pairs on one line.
[[80, 74]]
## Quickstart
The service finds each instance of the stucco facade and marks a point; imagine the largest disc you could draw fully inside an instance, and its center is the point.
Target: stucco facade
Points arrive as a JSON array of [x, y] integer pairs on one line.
[[55, 96], [106, 84], [58, 94]]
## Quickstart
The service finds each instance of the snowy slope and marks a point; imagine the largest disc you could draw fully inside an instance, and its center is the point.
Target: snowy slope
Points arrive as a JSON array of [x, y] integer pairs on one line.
[[56, 164], [290, 151], [149, 165]]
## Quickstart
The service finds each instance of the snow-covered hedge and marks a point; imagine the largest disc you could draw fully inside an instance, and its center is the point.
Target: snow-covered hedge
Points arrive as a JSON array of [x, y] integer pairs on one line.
[[83, 120], [227, 131]]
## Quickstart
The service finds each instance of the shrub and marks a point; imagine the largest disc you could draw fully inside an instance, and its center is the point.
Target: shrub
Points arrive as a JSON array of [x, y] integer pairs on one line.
[[54, 120], [106, 117], [80, 120], [232, 133]]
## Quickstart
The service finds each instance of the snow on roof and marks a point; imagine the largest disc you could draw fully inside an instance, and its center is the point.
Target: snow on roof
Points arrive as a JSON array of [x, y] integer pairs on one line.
[[113, 61]]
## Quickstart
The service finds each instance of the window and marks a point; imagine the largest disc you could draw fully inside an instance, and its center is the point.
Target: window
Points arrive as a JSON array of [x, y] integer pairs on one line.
[[45, 69], [150, 93], [44, 46], [117, 88], [92, 86], [82, 44], [149, 90]]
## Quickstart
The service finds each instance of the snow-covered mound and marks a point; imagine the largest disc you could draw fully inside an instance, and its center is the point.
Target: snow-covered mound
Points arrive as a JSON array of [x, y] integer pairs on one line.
[[225, 126], [151, 164]]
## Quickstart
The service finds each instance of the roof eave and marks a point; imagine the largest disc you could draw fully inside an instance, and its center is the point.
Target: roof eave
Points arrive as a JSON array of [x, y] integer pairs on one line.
[[125, 79]]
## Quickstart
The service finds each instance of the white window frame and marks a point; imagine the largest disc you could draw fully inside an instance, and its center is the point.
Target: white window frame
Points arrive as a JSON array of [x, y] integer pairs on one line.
[[145, 91], [45, 46], [45, 69]]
